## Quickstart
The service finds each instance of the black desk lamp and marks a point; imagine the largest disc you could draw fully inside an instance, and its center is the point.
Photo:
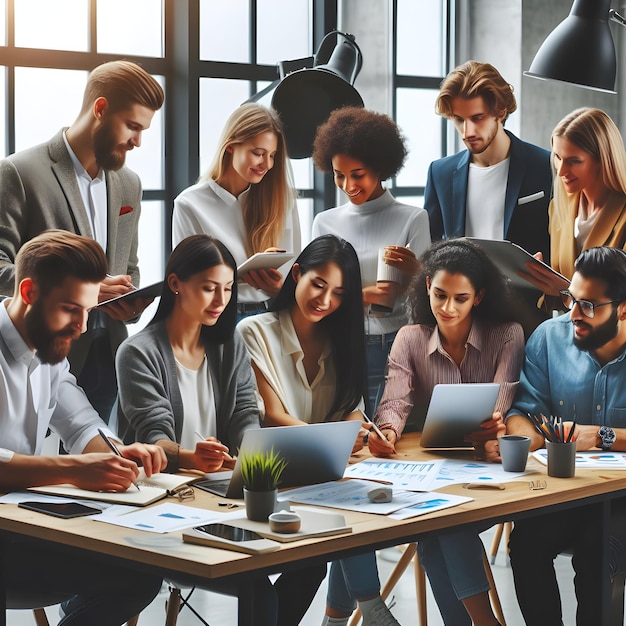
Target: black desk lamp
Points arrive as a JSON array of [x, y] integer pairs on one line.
[[580, 50]]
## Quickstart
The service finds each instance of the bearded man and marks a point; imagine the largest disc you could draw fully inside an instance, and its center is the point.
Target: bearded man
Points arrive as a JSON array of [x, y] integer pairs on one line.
[[78, 182], [575, 368]]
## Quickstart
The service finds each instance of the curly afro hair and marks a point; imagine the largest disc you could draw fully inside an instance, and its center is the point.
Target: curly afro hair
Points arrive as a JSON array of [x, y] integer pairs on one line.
[[369, 137]]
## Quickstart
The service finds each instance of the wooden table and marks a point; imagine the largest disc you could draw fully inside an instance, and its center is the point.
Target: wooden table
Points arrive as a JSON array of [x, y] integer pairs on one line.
[[173, 558]]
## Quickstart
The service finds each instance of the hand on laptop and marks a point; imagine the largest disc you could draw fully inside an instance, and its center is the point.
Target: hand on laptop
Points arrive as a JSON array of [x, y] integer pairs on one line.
[[489, 430]]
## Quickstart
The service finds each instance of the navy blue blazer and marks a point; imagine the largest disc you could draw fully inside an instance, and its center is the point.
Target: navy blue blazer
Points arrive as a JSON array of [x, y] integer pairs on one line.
[[528, 193]]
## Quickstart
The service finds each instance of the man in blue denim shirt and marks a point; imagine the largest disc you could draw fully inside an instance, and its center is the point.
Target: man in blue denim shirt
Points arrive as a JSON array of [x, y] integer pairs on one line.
[[575, 368]]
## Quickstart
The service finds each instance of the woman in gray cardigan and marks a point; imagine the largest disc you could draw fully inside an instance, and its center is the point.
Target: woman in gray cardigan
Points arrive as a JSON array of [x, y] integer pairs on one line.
[[186, 384]]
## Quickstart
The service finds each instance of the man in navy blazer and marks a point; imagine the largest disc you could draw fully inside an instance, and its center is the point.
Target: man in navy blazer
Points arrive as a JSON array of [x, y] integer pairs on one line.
[[78, 182], [500, 187]]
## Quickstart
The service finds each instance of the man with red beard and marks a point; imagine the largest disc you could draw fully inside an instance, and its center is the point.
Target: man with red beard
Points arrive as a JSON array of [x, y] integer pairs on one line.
[[58, 276], [78, 182], [575, 368]]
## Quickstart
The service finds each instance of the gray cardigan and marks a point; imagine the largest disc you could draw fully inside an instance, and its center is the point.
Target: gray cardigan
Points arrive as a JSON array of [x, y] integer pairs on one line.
[[150, 406]]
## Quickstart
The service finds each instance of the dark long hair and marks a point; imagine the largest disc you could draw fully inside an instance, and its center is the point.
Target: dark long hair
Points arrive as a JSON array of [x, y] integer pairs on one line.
[[345, 325], [191, 256], [459, 256]]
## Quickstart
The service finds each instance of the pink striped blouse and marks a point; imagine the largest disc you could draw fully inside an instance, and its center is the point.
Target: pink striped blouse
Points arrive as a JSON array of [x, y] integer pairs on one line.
[[418, 361]]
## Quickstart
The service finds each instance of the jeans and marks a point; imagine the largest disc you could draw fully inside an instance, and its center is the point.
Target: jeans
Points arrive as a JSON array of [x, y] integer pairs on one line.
[[378, 347], [455, 568], [351, 579], [535, 543], [103, 591]]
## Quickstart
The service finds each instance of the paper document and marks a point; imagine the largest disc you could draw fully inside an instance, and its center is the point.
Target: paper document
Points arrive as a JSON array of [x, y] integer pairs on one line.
[[592, 459], [428, 503], [410, 475]]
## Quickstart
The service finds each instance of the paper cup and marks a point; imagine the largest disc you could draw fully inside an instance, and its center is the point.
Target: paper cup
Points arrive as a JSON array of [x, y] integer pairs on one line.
[[390, 275]]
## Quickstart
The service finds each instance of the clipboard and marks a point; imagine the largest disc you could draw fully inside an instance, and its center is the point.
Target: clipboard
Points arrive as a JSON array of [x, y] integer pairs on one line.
[[265, 261], [150, 291], [511, 259]]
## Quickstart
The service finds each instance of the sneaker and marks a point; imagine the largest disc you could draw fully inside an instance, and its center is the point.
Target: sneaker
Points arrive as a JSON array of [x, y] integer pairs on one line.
[[379, 615]]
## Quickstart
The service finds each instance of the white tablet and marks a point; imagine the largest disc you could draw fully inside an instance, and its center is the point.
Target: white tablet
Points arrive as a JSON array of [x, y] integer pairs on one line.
[[150, 291], [455, 411], [265, 261]]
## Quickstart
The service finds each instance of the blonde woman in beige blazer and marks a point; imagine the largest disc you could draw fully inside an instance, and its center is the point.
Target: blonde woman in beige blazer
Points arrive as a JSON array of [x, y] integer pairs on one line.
[[589, 203]]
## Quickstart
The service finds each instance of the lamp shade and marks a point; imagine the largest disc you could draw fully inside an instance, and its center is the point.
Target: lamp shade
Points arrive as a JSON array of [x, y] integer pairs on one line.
[[305, 98], [580, 50]]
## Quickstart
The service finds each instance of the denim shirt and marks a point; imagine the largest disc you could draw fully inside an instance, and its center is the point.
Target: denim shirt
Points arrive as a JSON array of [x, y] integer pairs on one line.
[[560, 379]]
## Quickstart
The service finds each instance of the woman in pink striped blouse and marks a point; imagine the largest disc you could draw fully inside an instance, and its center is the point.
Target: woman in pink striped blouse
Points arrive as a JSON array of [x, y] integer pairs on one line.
[[464, 331]]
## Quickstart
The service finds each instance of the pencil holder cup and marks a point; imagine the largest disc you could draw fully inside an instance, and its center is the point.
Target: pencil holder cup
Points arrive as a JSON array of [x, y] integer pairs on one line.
[[561, 459], [514, 452]]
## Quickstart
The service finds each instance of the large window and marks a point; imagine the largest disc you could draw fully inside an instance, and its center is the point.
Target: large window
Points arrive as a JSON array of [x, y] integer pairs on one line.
[[210, 56], [421, 58]]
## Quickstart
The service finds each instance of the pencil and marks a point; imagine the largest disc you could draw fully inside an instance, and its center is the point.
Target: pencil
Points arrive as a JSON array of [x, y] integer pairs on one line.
[[113, 449]]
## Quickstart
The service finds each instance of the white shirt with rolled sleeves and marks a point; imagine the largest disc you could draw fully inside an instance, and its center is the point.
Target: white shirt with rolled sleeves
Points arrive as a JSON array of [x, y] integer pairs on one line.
[[35, 397]]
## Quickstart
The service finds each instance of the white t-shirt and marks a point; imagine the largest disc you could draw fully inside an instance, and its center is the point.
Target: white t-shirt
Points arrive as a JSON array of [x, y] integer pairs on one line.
[[274, 347], [200, 415], [208, 208], [486, 193]]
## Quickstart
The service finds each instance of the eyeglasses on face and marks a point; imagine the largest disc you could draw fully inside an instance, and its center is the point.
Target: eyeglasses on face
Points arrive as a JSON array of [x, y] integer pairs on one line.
[[588, 308]]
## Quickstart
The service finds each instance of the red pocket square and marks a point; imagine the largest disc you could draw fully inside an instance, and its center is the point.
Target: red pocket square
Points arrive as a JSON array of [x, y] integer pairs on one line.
[[126, 209]]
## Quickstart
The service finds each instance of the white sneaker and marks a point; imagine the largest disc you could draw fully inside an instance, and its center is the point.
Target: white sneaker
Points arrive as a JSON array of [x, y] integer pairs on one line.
[[379, 615]]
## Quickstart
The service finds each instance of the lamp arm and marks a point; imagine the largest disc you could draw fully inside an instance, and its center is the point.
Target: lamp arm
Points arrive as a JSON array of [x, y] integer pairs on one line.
[[614, 16]]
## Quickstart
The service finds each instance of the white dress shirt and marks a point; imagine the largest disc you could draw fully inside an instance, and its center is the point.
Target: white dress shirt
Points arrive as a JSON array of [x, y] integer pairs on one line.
[[275, 349], [36, 396]]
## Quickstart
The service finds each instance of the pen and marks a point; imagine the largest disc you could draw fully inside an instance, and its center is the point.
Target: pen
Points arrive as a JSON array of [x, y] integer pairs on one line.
[[113, 449], [375, 428]]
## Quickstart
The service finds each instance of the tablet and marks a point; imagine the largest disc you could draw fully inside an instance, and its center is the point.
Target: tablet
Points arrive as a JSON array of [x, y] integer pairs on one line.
[[150, 291], [265, 261], [455, 411]]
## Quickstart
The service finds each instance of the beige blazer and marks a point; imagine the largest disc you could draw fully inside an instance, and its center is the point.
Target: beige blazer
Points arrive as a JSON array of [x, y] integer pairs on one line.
[[608, 230]]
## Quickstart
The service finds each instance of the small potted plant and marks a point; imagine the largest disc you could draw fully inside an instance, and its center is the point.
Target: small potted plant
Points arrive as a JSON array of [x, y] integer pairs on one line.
[[261, 472]]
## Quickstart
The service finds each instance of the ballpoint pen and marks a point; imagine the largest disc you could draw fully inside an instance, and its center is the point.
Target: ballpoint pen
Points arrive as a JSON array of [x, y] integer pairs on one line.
[[375, 428], [113, 449]]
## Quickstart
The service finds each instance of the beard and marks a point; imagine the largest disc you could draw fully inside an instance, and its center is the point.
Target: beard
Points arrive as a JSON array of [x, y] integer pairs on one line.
[[599, 336], [104, 145], [52, 347], [486, 142]]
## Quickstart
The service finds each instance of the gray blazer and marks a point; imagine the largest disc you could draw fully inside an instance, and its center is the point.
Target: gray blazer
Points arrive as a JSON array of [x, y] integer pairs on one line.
[[39, 192], [150, 406]]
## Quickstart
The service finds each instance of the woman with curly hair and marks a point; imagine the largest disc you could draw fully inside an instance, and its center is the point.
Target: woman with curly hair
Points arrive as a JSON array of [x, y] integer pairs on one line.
[[464, 330], [362, 149], [246, 199]]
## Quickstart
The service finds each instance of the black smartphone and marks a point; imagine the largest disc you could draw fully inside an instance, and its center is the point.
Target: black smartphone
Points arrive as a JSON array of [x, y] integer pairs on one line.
[[230, 533], [66, 510]]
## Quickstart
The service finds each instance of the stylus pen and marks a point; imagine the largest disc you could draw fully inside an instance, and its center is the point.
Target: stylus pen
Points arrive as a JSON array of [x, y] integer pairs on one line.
[[113, 449], [375, 428]]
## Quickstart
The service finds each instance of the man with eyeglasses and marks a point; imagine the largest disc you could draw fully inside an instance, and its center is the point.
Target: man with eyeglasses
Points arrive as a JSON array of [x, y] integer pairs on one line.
[[575, 368]]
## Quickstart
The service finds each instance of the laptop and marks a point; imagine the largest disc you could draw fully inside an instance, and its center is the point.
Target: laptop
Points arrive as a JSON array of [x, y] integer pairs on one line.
[[315, 453], [456, 410]]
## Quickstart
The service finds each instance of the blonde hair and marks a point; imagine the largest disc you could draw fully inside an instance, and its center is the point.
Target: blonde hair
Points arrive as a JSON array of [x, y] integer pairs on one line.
[[267, 201], [593, 131], [472, 80]]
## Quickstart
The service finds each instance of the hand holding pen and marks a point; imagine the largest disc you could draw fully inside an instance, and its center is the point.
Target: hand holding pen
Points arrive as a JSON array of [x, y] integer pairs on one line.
[[113, 449], [383, 442], [210, 454]]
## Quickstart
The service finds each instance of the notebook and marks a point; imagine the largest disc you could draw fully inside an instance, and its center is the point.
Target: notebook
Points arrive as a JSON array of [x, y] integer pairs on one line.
[[150, 490], [456, 410], [315, 453]]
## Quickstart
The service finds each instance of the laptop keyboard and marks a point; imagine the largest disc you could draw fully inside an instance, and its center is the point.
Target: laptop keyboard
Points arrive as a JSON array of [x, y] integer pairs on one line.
[[218, 487]]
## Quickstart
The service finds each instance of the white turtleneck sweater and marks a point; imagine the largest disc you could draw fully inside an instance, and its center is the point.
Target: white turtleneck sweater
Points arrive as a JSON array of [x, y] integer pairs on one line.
[[373, 225]]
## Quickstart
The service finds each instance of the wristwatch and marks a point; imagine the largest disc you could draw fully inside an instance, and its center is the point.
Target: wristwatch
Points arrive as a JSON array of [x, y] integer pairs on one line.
[[607, 437]]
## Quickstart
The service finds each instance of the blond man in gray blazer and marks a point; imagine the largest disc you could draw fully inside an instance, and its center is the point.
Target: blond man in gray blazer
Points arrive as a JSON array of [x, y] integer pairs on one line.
[[78, 182]]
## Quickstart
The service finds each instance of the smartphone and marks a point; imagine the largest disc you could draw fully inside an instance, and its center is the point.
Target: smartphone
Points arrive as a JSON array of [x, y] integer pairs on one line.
[[66, 510], [230, 533]]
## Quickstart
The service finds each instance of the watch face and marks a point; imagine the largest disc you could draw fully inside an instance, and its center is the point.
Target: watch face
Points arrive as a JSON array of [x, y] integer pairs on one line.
[[607, 436]]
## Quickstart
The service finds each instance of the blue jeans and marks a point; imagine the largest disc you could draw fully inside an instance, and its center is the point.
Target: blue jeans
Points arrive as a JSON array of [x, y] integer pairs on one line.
[[455, 568], [352, 579], [378, 347]]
